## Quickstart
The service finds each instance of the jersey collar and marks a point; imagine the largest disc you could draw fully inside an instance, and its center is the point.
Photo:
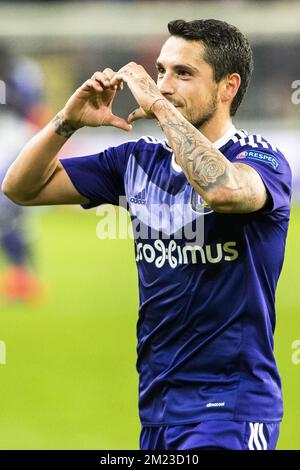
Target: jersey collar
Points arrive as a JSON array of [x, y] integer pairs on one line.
[[225, 138]]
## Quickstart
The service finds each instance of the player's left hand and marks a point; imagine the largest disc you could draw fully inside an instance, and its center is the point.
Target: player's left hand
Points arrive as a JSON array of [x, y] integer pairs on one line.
[[143, 88]]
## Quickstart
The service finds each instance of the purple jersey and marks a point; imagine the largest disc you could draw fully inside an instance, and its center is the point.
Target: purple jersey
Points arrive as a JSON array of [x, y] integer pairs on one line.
[[207, 310]]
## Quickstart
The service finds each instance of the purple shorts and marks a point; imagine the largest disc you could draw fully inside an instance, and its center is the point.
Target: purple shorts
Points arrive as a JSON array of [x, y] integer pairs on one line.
[[219, 434]]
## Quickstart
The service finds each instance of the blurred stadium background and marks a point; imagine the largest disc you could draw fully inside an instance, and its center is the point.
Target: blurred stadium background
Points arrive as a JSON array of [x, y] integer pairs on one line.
[[69, 381]]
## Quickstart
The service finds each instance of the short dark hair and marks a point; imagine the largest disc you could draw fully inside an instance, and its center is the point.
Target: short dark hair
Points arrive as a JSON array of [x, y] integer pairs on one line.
[[227, 50]]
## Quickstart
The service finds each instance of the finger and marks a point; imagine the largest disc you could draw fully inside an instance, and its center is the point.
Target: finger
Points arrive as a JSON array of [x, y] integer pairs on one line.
[[116, 121], [115, 81], [118, 78], [109, 74], [118, 86], [92, 84], [101, 78], [138, 113]]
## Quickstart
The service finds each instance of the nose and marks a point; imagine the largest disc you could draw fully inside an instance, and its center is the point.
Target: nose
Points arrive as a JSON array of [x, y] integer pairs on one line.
[[166, 85]]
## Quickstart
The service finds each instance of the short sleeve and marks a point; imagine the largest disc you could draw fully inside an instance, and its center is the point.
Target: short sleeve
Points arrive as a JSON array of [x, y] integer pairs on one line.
[[99, 177], [275, 173]]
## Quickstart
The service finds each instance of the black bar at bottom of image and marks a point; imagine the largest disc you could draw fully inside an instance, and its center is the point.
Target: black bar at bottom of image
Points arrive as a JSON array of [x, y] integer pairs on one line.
[[137, 459]]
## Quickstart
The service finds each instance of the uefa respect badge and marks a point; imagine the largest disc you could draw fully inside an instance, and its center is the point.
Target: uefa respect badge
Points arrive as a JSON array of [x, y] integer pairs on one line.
[[259, 156]]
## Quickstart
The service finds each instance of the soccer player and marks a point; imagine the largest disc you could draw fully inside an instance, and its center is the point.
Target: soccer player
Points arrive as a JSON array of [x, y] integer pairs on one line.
[[207, 373]]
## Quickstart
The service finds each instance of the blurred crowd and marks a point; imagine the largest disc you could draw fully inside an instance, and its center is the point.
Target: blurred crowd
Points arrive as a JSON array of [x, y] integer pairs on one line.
[[22, 114]]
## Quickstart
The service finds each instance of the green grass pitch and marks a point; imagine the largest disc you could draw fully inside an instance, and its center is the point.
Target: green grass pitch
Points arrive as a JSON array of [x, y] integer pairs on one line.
[[70, 380]]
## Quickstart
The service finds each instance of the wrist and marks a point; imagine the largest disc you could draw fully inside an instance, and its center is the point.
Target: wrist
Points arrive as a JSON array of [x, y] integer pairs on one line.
[[64, 126], [159, 105]]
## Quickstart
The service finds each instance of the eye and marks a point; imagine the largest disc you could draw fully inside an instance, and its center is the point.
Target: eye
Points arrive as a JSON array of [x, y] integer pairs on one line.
[[160, 70], [184, 73]]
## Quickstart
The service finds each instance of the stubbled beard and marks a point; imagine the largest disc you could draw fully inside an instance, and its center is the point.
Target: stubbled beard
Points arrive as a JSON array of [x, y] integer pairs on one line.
[[204, 118]]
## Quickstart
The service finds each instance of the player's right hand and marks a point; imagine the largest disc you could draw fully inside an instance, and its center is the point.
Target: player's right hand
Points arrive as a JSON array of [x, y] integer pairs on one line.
[[91, 104]]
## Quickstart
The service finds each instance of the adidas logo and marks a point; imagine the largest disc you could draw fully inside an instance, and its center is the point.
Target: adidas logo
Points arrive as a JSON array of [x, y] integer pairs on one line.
[[139, 198]]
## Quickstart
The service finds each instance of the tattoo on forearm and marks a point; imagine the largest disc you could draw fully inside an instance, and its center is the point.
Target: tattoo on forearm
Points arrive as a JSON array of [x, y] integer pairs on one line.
[[62, 127], [202, 163]]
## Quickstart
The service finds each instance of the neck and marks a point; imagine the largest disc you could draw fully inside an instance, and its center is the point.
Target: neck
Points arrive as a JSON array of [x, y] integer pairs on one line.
[[216, 127]]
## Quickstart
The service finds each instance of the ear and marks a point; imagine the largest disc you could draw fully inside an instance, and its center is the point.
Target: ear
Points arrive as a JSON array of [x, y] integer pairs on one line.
[[230, 87]]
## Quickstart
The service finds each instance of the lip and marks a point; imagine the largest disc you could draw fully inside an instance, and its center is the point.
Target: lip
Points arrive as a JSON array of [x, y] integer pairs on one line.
[[175, 105]]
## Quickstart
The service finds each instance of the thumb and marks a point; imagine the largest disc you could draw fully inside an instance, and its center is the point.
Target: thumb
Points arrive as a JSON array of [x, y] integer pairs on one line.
[[116, 121], [138, 113]]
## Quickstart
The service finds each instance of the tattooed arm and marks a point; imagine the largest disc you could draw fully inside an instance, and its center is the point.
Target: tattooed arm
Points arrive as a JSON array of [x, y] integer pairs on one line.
[[36, 177], [226, 187]]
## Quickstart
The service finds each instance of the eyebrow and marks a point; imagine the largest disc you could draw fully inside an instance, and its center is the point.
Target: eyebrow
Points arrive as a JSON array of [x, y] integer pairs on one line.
[[179, 66]]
